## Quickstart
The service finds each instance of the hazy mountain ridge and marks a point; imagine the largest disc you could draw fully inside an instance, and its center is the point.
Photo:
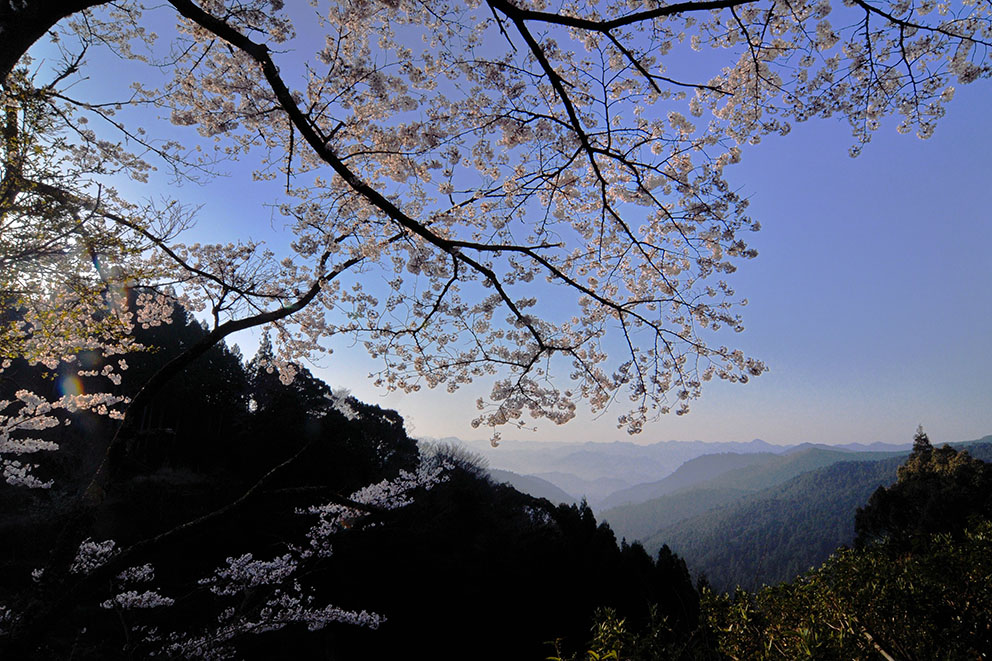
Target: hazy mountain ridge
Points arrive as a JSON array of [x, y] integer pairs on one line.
[[598, 471], [590, 490], [788, 465], [532, 485], [594, 460], [594, 470], [693, 472]]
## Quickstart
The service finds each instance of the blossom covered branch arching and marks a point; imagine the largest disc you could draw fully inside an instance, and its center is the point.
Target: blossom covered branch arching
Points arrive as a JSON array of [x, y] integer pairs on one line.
[[479, 229], [483, 173], [522, 150], [517, 167]]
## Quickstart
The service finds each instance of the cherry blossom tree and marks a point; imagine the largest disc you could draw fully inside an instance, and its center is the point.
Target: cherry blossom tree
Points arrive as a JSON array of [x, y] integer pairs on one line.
[[487, 158], [490, 157], [526, 194]]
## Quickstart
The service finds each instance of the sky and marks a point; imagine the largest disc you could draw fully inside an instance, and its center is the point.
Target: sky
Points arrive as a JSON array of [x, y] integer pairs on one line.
[[870, 300]]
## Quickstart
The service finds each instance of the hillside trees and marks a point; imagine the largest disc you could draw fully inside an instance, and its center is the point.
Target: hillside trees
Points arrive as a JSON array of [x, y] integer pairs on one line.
[[917, 586], [911, 591], [152, 577], [527, 569], [938, 490], [868, 604]]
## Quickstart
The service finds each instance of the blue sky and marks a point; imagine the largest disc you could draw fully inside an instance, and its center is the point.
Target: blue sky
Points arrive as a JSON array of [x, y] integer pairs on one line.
[[870, 300]]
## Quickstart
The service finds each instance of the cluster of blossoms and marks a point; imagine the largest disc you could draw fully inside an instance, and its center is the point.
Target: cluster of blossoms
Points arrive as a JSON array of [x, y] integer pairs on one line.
[[140, 574], [92, 555], [29, 412], [287, 601], [246, 572], [131, 600], [383, 496], [282, 608], [6, 619]]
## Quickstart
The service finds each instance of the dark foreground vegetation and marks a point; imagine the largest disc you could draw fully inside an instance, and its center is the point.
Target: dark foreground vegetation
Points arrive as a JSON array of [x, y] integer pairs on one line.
[[467, 569]]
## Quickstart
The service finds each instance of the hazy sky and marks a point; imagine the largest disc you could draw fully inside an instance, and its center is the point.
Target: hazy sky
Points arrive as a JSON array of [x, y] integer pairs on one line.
[[870, 300]]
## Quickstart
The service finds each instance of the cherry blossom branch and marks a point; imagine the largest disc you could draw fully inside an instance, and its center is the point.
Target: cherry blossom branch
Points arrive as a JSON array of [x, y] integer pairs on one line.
[[872, 9], [515, 11], [24, 23], [67, 590], [321, 146]]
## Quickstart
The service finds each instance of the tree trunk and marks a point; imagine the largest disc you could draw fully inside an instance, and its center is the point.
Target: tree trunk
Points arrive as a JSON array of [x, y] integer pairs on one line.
[[23, 22]]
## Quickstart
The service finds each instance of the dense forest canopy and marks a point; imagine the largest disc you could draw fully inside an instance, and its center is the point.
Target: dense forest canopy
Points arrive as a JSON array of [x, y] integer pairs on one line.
[[912, 588]]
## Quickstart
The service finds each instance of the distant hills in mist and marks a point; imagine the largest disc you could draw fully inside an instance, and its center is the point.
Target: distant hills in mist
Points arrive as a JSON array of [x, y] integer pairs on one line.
[[611, 474], [739, 513]]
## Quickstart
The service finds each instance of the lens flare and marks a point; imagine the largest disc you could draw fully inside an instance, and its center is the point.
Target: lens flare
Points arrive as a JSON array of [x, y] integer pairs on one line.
[[118, 296], [70, 386]]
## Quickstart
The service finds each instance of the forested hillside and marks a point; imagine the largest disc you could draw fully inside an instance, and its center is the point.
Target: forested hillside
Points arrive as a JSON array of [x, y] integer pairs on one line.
[[455, 563], [778, 533], [916, 586], [711, 481]]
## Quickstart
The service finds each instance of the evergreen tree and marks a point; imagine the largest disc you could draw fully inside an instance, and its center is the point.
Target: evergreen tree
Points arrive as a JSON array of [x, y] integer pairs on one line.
[[938, 490]]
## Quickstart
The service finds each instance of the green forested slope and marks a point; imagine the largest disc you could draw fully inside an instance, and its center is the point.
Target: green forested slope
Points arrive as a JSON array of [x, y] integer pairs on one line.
[[690, 474], [717, 480], [778, 533], [643, 520], [773, 535], [916, 585]]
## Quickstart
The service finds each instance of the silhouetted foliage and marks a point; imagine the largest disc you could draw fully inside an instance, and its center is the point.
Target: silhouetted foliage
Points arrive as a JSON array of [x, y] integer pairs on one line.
[[469, 567]]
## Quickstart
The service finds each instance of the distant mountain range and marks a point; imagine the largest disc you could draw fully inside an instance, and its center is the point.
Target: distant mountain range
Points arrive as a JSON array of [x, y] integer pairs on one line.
[[745, 473], [739, 513], [598, 471]]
